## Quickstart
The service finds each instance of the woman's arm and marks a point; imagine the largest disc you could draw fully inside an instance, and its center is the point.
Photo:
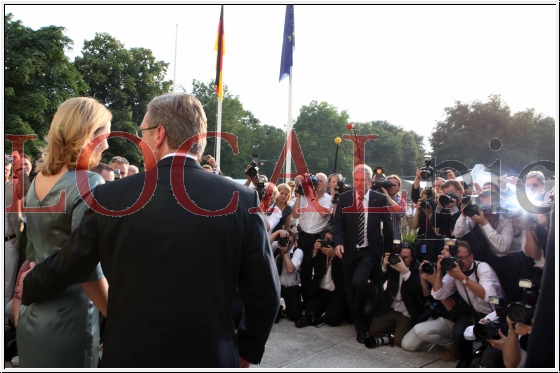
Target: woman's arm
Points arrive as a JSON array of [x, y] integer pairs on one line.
[[98, 292]]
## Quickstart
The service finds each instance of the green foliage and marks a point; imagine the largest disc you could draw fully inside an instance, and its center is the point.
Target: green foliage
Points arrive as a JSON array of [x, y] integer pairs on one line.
[[125, 80], [38, 77], [466, 132]]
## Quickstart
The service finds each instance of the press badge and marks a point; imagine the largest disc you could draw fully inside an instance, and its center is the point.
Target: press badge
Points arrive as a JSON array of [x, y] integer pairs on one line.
[[423, 251]]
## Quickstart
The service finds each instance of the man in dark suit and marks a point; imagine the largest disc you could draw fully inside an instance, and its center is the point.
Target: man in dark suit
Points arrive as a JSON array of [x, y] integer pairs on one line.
[[172, 270], [358, 242]]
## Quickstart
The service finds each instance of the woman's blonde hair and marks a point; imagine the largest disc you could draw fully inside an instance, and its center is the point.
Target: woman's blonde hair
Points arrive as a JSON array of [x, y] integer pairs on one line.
[[287, 188], [73, 126]]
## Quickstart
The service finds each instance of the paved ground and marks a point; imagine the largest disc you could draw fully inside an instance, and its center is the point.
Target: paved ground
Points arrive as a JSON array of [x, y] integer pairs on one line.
[[336, 347], [328, 347]]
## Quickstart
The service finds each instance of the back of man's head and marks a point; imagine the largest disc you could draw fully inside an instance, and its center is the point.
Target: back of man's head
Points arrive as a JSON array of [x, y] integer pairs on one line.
[[182, 116]]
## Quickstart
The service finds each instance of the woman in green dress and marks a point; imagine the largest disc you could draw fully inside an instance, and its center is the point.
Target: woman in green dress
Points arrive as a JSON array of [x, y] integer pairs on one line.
[[63, 332]]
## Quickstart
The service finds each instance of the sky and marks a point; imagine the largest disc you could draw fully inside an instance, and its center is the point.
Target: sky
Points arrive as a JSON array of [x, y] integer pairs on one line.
[[400, 63]]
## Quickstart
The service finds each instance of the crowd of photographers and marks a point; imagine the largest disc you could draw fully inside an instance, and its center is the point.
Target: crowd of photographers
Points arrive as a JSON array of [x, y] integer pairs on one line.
[[471, 274]]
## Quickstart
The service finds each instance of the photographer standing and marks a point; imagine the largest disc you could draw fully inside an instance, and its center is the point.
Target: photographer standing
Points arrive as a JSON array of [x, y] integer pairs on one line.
[[394, 197], [475, 281], [427, 237], [288, 262], [327, 288], [310, 226]]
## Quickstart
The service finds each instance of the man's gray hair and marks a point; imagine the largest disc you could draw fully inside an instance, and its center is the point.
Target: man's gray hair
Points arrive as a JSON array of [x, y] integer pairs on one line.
[[322, 175], [182, 116], [538, 174], [365, 169]]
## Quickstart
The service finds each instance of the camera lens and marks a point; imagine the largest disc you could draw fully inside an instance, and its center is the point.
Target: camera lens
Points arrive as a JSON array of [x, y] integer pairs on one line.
[[394, 259], [448, 263], [428, 268], [518, 312]]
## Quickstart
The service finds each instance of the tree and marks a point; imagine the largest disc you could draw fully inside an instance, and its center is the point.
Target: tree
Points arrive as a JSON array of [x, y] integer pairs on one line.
[[125, 80], [38, 77], [466, 132]]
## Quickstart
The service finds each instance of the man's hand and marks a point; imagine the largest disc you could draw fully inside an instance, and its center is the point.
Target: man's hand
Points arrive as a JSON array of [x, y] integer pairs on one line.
[[400, 266], [479, 219], [316, 247], [456, 272], [19, 285], [477, 189], [431, 278], [328, 251], [385, 263], [498, 343], [211, 161], [339, 251], [418, 174], [450, 175], [243, 363]]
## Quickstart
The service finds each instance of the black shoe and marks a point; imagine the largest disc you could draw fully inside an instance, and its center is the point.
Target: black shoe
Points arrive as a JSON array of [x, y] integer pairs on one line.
[[304, 321], [361, 337], [463, 364]]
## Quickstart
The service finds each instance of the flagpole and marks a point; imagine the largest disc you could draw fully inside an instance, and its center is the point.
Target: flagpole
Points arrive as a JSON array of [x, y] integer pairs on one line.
[[219, 130], [288, 131], [175, 62]]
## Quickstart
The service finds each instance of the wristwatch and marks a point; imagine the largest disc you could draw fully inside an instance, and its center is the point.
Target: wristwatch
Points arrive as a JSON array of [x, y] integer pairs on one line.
[[465, 280]]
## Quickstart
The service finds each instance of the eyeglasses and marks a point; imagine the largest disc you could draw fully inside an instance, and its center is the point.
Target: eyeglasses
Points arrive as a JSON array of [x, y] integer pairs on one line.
[[462, 257], [139, 131]]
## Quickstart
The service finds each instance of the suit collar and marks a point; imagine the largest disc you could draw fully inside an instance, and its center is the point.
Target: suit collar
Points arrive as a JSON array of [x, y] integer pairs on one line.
[[188, 162]]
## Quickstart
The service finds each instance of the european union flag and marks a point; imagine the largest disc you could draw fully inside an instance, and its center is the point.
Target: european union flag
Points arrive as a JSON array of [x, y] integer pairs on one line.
[[288, 44]]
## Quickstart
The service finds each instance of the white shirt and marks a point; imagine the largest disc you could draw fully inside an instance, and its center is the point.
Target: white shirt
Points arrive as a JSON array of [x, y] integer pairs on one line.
[[399, 305], [326, 282], [313, 222], [365, 202], [273, 218], [487, 279], [500, 239], [523, 240], [290, 279]]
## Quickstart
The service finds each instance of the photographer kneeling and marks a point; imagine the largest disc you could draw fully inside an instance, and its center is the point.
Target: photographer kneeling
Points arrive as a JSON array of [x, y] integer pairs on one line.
[[475, 281], [288, 261], [401, 302], [326, 293]]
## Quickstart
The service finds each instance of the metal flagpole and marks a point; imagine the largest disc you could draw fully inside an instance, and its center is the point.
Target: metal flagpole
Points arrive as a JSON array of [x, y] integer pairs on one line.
[[288, 131], [175, 62], [219, 129]]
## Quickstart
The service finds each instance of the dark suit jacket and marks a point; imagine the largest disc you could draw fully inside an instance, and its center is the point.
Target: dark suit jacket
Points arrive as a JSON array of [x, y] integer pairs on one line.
[[345, 227], [172, 273], [319, 264], [411, 291]]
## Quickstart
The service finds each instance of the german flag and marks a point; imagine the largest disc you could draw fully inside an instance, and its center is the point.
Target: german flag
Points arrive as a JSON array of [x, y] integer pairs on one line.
[[220, 46]]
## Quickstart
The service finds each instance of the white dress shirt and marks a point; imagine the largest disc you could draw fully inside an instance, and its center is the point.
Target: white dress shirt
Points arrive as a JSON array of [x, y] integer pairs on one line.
[[487, 279], [313, 222], [290, 279], [500, 239]]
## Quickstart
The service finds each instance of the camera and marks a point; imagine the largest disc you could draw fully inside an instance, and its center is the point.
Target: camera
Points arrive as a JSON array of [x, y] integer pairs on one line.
[[448, 263], [308, 179], [326, 242], [429, 267], [260, 187], [9, 159], [489, 329], [427, 171], [446, 199], [380, 180], [253, 169], [471, 208], [117, 174], [395, 257], [283, 241], [205, 157], [341, 187], [523, 311], [428, 202]]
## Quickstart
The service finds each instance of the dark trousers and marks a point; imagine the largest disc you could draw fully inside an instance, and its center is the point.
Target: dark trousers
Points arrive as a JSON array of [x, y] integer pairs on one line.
[[464, 346], [492, 358], [327, 302], [292, 297], [306, 242], [358, 290]]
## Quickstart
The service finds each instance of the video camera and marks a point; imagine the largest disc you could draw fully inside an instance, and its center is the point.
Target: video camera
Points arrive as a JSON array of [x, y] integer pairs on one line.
[[395, 256], [523, 311], [379, 180], [260, 187], [253, 170], [427, 171], [341, 187], [307, 178], [489, 329]]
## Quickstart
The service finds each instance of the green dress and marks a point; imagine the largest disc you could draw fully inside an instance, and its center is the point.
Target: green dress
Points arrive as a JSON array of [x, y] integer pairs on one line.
[[61, 332]]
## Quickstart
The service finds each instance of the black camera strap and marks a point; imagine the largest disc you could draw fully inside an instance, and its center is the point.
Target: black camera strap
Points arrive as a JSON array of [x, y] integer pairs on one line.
[[475, 270]]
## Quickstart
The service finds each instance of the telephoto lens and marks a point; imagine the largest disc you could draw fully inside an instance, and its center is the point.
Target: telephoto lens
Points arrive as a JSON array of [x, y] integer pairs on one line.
[[520, 312], [394, 259], [449, 263], [429, 267]]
